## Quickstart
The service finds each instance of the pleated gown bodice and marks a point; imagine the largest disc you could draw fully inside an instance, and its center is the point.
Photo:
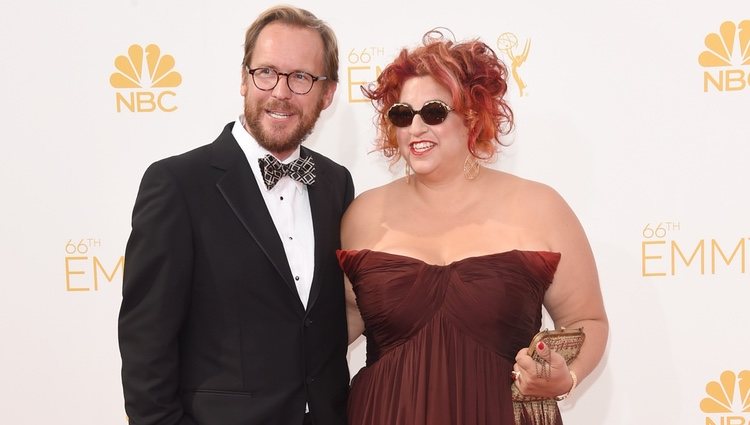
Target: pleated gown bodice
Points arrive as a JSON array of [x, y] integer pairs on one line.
[[442, 339]]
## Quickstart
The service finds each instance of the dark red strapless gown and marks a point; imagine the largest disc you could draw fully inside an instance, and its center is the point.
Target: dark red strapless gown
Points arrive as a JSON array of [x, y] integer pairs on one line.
[[441, 340]]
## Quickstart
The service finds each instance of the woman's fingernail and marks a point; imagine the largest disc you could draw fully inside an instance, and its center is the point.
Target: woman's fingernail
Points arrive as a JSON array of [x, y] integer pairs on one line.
[[540, 346]]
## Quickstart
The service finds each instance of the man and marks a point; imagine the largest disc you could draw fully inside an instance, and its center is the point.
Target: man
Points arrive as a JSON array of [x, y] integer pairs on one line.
[[233, 302]]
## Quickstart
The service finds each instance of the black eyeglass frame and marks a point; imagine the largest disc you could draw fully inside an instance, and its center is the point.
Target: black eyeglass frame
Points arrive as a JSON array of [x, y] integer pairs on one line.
[[285, 74], [429, 121]]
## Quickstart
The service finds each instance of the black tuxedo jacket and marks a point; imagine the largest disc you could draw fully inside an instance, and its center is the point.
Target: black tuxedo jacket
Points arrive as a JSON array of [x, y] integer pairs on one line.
[[211, 328]]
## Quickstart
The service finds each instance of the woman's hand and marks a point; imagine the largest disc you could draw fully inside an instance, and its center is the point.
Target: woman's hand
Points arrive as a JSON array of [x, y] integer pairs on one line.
[[549, 377]]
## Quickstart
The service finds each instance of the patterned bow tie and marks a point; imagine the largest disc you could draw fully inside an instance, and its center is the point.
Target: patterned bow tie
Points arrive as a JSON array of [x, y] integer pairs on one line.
[[301, 169]]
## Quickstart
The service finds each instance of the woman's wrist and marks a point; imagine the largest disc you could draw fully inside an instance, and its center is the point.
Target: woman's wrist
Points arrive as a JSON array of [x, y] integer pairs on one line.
[[572, 387]]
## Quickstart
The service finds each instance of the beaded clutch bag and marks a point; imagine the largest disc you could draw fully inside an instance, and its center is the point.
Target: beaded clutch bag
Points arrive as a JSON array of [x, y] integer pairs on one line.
[[541, 410], [566, 342]]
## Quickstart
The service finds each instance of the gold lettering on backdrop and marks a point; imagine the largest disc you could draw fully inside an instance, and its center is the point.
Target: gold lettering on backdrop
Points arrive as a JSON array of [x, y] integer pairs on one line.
[[681, 256], [645, 257], [80, 264], [98, 266], [687, 261], [355, 94], [740, 248], [661, 251], [69, 273], [362, 63]]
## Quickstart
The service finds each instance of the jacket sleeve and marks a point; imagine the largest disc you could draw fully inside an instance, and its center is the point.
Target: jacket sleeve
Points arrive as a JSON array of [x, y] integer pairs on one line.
[[156, 296], [349, 195]]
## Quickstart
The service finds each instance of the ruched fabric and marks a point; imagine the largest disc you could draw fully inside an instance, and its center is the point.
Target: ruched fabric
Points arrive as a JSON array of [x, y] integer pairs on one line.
[[442, 339]]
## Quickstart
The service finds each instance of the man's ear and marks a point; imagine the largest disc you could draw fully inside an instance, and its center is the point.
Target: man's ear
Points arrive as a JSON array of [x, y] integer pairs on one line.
[[328, 92]]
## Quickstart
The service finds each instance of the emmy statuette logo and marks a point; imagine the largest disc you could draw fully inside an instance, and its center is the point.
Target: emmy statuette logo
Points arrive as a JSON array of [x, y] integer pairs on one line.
[[140, 70], [507, 43]]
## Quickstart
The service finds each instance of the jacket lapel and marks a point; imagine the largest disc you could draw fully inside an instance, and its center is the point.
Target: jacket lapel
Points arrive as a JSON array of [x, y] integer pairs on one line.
[[320, 211], [239, 189]]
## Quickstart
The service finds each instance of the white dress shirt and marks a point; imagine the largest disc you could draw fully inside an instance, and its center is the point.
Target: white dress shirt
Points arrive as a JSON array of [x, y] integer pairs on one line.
[[289, 205]]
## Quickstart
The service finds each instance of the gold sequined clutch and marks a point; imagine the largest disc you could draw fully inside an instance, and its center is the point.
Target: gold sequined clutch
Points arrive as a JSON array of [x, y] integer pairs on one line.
[[541, 410]]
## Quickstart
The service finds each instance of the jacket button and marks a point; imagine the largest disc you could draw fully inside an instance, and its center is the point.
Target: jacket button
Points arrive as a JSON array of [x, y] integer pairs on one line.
[[308, 323], [310, 379]]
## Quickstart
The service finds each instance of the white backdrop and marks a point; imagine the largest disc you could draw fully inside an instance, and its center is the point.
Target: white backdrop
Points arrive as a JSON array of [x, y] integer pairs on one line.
[[623, 113]]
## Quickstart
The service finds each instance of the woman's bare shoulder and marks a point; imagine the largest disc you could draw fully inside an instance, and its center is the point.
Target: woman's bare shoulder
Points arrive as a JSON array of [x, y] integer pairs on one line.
[[367, 213], [523, 190], [369, 201]]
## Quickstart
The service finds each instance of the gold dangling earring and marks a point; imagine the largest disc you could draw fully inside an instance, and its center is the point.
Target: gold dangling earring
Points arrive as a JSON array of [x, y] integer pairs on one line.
[[471, 167], [407, 171]]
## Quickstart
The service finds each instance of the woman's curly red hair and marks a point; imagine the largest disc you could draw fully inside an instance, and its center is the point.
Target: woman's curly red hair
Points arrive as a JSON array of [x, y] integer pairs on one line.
[[470, 70]]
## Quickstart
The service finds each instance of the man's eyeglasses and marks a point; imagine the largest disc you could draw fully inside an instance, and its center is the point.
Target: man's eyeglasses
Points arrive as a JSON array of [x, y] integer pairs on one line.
[[433, 112], [299, 82]]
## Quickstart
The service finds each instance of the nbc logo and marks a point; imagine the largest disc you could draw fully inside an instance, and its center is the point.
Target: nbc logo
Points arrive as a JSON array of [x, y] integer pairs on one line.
[[727, 397], [726, 51], [131, 78]]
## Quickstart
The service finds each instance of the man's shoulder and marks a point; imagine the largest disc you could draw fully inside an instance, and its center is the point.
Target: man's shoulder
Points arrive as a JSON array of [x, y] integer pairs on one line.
[[327, 166], [320, 159], [192, 155], [200, 154]]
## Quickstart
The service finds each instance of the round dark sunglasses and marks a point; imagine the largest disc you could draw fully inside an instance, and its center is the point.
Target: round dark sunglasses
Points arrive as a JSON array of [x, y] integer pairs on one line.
[[433, 112]]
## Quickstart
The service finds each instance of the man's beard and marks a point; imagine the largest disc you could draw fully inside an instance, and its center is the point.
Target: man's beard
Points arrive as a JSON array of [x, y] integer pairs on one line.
[[279, 139]]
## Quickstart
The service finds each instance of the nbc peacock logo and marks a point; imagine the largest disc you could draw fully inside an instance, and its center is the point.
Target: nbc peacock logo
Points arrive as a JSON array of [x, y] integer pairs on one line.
[[727, 52], [728, 400], [142, 69]]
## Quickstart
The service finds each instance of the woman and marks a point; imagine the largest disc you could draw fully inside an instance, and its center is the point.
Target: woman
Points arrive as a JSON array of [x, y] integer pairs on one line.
[[449, 266]]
